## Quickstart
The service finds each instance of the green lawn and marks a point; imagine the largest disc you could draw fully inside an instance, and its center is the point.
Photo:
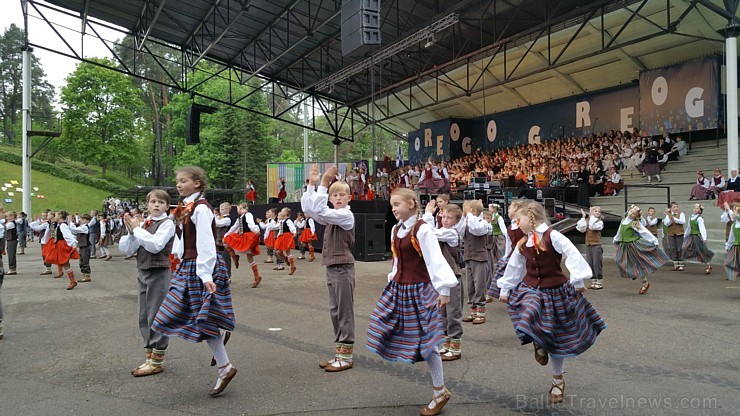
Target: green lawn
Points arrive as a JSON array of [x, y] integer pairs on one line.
[[58, 193]]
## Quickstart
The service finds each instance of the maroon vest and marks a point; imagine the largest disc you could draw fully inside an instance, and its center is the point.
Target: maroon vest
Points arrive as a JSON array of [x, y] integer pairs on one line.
[[514, 236], [189, 233], [410, 266], [543, 269]]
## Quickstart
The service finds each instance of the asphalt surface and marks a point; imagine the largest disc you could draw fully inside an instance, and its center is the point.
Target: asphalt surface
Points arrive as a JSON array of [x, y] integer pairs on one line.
[[673, 351]]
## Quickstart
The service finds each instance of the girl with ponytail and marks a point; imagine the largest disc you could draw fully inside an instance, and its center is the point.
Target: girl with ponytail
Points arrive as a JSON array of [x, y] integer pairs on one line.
[[546, 307]]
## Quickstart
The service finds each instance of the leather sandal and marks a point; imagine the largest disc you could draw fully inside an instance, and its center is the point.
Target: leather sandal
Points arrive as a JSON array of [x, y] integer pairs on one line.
[[540, 358], [343, 365], [324, 364], [257, 280], [450, 356], [479, 320], [147, 370], [709, 269], [225, 380], [644, 288], [557, 391], [438, 403]]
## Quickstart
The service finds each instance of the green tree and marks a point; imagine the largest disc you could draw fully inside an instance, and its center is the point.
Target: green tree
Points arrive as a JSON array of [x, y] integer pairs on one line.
[[11, 87], [102, 117]]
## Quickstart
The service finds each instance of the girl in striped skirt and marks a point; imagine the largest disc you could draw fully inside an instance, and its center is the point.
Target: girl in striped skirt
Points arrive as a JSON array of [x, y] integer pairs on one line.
[[406, 324], [638, 254], [695, 240], [198, 304], [732, 247], [513, 234], [546, 307]]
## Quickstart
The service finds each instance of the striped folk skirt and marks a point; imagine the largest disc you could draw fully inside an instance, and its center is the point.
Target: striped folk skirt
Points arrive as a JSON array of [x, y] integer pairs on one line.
[[493, 290], [559, 319], [732, 264], [189, 311], [695, 249], [639, 259], [406, 324]]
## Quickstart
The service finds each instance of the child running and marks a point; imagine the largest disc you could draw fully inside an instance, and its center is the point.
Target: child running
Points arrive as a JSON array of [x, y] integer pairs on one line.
[[546, 307], [594, 252], [198, 305], [308, 236], [406, 323], [638, 254], [513, 235], [695, 240], [244, 238], [63, 247]]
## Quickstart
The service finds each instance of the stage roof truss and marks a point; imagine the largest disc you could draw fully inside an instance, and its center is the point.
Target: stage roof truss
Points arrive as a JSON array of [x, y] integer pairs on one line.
[[532, 51]]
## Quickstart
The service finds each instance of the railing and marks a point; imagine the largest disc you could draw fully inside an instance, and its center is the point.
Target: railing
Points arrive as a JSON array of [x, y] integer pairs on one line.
[[628, 187]]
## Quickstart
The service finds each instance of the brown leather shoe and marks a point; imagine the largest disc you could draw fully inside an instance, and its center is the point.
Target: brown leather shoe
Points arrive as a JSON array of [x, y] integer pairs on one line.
[[335, 369], [147, 370], [72, 285], [257, 280], [644, 288], [324, 364], [449, 356], [224, 382], [479, 320], [557, 391], [438, 403], [311, 257], [542, 359]]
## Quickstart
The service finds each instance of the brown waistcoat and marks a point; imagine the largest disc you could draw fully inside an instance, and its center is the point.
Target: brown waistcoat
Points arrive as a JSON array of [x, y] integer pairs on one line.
[[338, 244], [189, 233], [410, 266], [475, 246], [543, 269], [146, 260]]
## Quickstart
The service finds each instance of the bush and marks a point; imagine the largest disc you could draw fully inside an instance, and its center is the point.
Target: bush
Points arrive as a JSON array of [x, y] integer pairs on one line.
[[63, 173]]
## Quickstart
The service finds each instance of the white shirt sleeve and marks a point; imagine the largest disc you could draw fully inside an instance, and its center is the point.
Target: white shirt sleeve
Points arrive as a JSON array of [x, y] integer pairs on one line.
[[154, 243], [440, 272], [515, 272], [581, 225], [646, 235], [69, 238], [234, 227], [681, 219], [731, 238], [315, 205], [253, 227], [702, 229], [595, 224], [394, 265], [291, 226], [223, 221], [312, 225], [726, 217], [478, 226], [447, 235], [128, 245], [574, 261], [202, 217]]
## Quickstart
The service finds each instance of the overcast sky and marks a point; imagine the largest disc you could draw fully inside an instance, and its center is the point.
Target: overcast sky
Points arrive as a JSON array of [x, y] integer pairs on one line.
[[56, 66]]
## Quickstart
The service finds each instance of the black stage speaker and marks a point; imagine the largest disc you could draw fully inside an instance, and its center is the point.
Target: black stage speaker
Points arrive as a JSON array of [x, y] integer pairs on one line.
[[425, 198], [369, 237], [360, 26], [192, 126]]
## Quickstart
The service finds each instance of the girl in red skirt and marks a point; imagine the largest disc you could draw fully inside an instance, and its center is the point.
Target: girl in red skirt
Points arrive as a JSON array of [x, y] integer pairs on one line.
[[285, 238], [308, 236], [251, 194], [244, 238], [62, 247]]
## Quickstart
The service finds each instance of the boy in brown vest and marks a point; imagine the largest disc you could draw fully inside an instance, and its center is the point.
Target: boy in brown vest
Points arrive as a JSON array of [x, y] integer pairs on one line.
[[594, 252], [82, 232], [476, 233], [151, 242], [339, 238], [449, 243], [675, 220]]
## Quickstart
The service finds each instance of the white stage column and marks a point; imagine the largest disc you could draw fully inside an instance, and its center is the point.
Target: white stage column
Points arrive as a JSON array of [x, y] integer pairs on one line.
[[26, 175]]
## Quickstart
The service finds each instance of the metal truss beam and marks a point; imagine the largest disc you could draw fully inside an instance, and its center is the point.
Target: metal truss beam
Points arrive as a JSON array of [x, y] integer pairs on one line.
[[148, 17], [338, 114], [208, 34]]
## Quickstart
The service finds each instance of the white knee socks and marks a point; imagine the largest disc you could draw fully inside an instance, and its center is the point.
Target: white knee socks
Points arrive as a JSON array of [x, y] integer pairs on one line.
[[435, 369]]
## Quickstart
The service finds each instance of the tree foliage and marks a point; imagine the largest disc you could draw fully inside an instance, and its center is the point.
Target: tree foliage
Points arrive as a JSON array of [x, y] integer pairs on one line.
[[102, 117]]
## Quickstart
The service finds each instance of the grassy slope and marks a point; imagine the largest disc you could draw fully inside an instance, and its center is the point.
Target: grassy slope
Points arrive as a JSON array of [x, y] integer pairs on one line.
[[59, 193]]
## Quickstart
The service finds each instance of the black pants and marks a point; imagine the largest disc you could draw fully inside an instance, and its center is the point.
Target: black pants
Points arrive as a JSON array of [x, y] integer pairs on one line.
[[85, 260], [12, 250]]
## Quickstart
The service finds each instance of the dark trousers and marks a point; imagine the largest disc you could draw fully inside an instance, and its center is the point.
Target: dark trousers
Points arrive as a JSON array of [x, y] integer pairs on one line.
[[12, 250], [226, 256], [85, 260], [452, 312], [675, 246], [22, 239]]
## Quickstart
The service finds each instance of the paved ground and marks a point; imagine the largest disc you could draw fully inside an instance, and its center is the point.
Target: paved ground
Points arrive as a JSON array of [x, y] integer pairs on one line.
[[671, 352]]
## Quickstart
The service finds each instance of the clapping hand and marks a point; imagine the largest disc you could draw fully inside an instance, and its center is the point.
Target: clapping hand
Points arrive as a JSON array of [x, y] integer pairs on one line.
[[431, 206]]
